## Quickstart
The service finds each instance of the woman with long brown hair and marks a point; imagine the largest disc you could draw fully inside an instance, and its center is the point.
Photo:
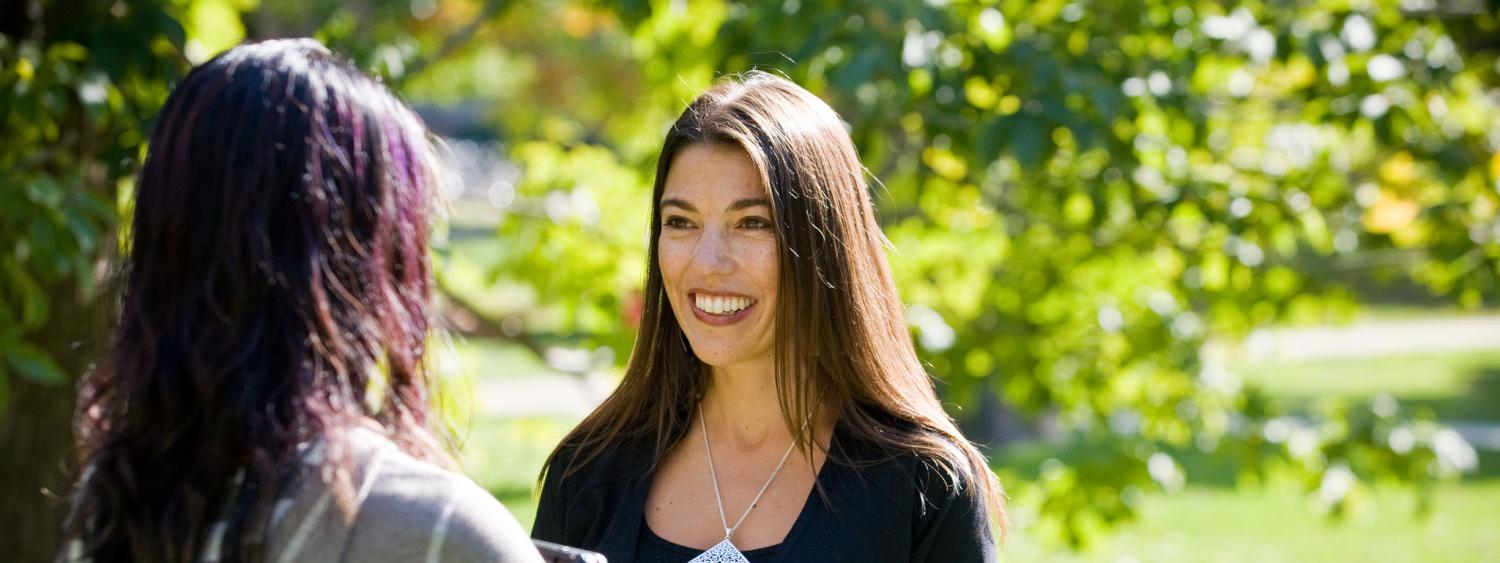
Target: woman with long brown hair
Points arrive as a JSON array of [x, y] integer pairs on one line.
[[267, 395], [774, 408]]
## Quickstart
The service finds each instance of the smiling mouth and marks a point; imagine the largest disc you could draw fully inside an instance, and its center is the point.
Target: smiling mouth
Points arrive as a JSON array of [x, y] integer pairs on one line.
[[721, 305]]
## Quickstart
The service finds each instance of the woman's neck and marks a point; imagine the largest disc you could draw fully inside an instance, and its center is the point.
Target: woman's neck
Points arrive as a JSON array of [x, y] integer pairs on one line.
[[743, 405]]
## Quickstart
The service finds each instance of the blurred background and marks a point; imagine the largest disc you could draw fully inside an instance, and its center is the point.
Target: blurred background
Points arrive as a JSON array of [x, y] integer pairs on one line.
[[1210, 281]]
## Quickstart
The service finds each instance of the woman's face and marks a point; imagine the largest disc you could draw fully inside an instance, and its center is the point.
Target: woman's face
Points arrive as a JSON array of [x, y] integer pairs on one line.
[[718, 254]]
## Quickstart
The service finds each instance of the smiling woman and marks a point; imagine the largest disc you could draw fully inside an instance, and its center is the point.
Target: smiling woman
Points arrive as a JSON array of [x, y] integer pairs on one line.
[[771, 326]]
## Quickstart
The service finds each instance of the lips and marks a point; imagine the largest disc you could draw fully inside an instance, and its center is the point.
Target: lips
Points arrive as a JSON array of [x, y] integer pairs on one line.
[[720, 308]]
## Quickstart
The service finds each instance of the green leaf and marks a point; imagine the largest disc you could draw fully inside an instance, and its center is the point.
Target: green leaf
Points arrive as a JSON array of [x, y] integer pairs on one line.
[[45, 192], [85, 234], [172, 29], [992, 139], [33, 363], [1029, 140], [28, 292], [68, 51]]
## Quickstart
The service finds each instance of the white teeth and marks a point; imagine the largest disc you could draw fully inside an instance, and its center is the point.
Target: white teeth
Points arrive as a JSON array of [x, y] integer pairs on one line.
[[721, 305]]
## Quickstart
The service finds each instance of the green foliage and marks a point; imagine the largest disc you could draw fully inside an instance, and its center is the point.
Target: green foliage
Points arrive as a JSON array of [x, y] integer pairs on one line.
[[1079, 194], [578, 210], [77, 90]]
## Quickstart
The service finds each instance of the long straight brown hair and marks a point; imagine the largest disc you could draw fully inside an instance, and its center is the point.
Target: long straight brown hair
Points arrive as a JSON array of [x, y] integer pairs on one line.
[[841, 340]]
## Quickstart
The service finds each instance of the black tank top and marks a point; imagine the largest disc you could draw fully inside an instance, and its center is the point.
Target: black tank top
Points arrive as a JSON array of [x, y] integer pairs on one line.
[[652, 548]]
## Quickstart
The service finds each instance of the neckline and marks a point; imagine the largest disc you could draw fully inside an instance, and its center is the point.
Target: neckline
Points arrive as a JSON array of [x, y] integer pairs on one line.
[[809, 505], [680, 549]]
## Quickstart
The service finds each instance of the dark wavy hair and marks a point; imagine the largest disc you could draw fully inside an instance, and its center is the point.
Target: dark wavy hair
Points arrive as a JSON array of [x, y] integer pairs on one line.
[[277, 291]]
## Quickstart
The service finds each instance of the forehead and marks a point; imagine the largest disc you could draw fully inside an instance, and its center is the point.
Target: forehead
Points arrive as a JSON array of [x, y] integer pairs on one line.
[[709, 173]]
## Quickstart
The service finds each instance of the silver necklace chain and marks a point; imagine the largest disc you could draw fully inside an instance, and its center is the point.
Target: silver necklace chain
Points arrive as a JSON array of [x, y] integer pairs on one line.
[[713, 476]]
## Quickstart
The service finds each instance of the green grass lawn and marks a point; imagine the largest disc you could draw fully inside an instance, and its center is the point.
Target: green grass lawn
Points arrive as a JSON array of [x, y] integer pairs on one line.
[[1229, 525], [1455, 386]]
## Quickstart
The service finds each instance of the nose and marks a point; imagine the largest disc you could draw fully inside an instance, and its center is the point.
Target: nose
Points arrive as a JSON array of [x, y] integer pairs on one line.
[[712, 255]]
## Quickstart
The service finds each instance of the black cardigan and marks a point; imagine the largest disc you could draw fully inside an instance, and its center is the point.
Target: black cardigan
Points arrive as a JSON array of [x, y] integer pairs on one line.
[[897, 510]]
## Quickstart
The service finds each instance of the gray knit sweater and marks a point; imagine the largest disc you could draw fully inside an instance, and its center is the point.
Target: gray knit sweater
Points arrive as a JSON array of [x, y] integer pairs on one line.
[[407, 510], [403, 510]]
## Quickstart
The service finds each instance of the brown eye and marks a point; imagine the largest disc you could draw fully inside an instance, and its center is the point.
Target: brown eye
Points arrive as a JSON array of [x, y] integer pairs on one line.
[[755, 223], [676, 222]]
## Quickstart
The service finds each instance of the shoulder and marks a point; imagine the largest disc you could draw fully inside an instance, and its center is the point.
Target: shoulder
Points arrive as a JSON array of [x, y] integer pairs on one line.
[[575, 466], [412, 502], [584, 490], [946, 502], [925, 491], [928, 477], [575, 471]]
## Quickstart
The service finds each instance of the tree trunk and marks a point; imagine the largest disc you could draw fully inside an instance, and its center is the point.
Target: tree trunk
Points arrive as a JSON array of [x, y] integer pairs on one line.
[[993, 422], [36, 432]]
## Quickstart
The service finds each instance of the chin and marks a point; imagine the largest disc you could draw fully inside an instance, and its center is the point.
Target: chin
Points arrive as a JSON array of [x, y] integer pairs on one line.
[[719, 359], [720, 356]]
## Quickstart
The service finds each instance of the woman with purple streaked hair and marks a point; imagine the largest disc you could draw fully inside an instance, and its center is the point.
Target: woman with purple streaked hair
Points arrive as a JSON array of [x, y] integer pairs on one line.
[[267, 394]]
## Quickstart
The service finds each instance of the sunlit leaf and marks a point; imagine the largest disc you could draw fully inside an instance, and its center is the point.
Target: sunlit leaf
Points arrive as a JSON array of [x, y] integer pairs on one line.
[[32, 362]]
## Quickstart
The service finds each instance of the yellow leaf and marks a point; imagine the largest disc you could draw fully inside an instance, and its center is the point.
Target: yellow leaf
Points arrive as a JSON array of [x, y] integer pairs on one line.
[[1078, 209], [1400, 170], [215, 25], [1215, 270], [920, 81], [1390, 213], [1078, 43], [980, 93], [1009, 105], [1299, 73], [24, 69], [946, 164], [576, 22], [991, 26]]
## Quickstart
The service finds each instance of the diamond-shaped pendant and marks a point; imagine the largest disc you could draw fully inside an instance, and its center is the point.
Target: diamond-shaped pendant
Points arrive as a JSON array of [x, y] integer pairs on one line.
[[724, 552]]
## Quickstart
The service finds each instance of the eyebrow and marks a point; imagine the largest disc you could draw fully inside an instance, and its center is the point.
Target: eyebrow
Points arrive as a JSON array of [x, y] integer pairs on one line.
[[748, 203], [736, 206]]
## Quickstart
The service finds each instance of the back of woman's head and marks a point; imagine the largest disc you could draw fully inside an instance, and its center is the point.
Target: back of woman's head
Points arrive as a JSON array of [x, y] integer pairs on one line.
[[277, 290]]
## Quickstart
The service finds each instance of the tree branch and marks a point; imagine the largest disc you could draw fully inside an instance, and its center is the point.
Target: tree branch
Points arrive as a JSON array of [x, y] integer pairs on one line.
[[491, 9], [466, 318]]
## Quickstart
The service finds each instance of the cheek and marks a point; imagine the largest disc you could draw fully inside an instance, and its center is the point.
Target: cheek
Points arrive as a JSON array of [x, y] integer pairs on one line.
[[670, 258], [765, 265]]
